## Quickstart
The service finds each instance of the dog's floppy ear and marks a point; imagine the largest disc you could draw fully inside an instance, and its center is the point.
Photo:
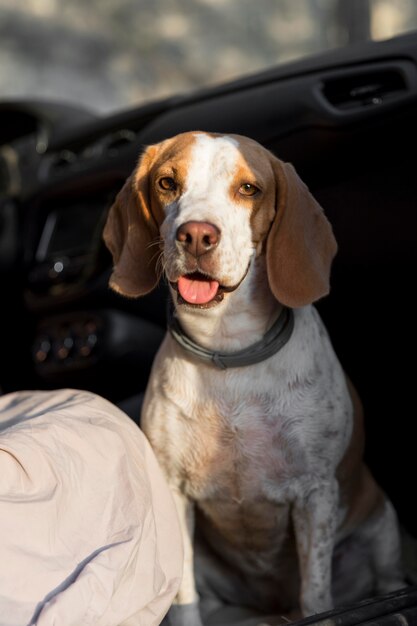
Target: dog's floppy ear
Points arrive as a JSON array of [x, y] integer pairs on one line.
[[129, 233], [300, 246]]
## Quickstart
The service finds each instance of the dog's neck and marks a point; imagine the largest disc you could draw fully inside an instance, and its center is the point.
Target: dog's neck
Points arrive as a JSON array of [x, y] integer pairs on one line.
[[241, 319]]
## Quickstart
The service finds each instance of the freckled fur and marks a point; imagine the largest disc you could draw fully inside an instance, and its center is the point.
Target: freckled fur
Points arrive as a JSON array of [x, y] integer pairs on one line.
[[271, 454]]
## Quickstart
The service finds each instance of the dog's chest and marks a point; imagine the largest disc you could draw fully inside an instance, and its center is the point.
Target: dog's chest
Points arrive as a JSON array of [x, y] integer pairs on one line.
[[230, 457], [245, 443], [235, 446], [231, 435]]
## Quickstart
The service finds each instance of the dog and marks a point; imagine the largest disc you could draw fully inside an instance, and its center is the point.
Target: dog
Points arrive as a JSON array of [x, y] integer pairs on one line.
[[252, 418]]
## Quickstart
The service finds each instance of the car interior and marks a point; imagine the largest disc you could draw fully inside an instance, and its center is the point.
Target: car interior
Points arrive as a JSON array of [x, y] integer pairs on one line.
[[346, 120]]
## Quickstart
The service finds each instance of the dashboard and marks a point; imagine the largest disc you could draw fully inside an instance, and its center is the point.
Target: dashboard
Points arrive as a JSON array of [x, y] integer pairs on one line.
[[345, 119]]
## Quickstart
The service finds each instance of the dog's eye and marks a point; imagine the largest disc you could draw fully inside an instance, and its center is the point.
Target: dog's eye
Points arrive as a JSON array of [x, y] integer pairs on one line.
[[248, 190], [167, 183]]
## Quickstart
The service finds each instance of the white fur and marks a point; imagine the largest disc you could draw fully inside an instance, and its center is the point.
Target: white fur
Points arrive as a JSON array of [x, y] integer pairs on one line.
[[206, 199]]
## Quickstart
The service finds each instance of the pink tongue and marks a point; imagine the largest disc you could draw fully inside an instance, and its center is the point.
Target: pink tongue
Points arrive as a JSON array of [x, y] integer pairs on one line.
[[197, 291]]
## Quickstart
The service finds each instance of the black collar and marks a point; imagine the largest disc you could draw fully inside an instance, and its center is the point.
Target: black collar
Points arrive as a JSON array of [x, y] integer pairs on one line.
[[273, 340]]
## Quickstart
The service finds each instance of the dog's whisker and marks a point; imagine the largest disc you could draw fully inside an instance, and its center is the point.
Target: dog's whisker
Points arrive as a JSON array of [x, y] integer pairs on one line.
[[160, 267], [156, 242], [163, 262], [157, 253]]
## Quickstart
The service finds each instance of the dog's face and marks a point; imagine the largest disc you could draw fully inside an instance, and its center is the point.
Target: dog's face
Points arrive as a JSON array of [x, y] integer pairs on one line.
[[204, 206], [213, 221]]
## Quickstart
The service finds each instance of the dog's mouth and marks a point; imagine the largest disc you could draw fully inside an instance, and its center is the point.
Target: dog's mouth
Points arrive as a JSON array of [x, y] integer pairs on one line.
[[196, 288], [200, 290]]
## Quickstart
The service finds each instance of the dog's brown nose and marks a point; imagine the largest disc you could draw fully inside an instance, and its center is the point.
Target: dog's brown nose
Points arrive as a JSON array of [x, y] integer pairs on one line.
[[198, 237]]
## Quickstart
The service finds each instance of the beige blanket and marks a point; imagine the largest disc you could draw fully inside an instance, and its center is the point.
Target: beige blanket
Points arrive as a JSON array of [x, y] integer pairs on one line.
[[88, 531]]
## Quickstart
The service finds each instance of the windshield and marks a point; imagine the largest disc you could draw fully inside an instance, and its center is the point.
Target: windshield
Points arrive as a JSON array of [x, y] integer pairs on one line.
[[109, 55]]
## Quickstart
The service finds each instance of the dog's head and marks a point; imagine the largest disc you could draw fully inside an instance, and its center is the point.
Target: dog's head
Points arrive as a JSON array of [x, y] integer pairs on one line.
[[199, 207]]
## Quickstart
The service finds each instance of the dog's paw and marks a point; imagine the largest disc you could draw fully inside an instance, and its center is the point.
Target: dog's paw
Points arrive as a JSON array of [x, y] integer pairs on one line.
[[184, 615]]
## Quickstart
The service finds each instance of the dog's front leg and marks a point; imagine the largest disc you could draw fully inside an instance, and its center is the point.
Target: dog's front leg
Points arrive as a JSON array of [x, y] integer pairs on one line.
[[185, 609], [315, 523]]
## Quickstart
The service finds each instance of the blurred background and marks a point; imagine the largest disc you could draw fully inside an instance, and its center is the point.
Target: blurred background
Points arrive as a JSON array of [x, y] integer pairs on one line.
[[114, 54]]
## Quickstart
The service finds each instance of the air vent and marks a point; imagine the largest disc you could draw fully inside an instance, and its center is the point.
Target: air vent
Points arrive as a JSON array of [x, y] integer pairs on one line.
[[364, 89], [117, 141], [62, 161]]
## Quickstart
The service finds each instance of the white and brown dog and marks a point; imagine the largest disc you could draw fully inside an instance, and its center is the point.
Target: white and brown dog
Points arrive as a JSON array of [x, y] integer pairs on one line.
[[248, 409]]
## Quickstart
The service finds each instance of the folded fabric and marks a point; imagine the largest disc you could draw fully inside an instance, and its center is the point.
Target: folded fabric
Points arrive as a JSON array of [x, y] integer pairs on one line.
[[88, 530]]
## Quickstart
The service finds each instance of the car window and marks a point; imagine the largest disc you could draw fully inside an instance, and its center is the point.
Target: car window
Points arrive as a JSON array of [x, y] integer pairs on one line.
[[112, 55]]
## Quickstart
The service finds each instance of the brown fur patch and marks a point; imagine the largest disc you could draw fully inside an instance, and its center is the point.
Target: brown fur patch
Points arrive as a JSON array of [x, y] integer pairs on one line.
[[254, 166], [359, 491]]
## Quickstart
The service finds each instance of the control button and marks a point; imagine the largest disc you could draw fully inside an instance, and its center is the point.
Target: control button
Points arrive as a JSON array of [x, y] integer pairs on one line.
[[88, 344], [42, 350], [67, 343], [88, 338], [63, 347], [56, 268]]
